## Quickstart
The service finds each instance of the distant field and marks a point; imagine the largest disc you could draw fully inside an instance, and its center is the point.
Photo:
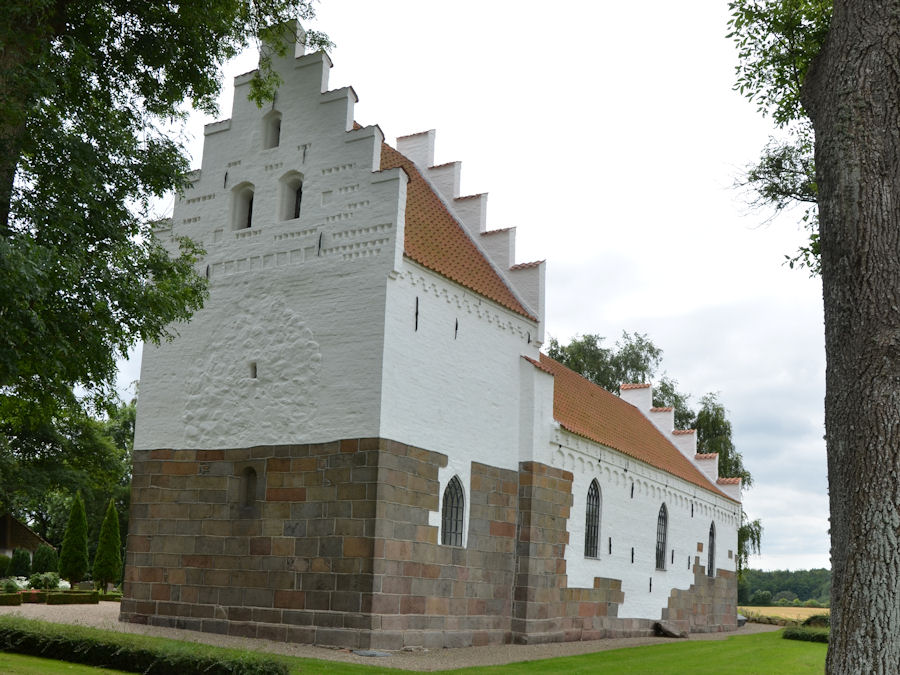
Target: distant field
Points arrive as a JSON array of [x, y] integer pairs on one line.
[[785, 612]]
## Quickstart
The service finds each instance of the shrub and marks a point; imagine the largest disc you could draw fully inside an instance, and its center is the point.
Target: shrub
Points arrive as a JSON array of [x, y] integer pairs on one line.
[[7, 599], [782, 602], [4, 564], [70, 598], [790, 596], [761, 598], [818, 620], [73, 557], [133, 653], [20, 565], [108, 561], [34, 597], [812, 603], [45, 559], [113, 596], [9, 586], [46, 581], [806, 633]]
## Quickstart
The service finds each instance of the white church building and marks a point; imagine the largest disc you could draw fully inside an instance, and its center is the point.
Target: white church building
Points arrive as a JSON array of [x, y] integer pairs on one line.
[[358, 442]]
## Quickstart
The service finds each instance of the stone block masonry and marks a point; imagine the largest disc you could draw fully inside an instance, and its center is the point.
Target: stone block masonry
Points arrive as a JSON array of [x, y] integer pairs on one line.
[[333, 546]]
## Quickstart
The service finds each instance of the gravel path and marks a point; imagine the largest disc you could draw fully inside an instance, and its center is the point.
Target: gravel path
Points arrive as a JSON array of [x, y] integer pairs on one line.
[[106, 615]]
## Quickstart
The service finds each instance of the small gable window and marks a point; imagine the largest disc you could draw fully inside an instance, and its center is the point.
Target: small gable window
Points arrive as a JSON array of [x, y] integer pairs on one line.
[[662, 523], [452, 511], [272, 130], [711, 552], [242, 207], [592, 521]]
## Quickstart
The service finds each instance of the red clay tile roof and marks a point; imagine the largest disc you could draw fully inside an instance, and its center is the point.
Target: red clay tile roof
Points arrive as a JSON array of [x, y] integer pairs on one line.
[[525, 266], [583, 408], [664, 409], [679, 432], [728, 481], [633, 386], [706, 455], [435, 239], [498, 231]]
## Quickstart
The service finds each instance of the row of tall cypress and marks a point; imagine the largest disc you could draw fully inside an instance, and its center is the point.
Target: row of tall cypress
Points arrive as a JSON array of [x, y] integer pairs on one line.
[[73, 554]]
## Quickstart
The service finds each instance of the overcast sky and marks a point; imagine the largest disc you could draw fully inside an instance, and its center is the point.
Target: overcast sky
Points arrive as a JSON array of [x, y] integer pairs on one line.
[[608, 134]]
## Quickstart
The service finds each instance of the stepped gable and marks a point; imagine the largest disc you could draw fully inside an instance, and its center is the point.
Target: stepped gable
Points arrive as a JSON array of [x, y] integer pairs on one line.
[[582, 407], [435, 239]]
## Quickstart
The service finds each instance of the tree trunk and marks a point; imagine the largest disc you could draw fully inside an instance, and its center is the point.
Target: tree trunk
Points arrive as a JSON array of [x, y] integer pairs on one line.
[[853, 96]]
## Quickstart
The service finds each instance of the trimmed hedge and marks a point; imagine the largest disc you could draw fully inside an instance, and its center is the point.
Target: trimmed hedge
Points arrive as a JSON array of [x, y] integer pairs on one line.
[[36, 597], [76, 598], [806, 633], [129, 652], [8, 599], [112, 596]]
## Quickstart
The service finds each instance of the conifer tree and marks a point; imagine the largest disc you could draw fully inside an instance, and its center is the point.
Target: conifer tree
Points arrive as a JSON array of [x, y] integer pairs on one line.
[[73, 558], [20, 565], [44, 560], [108, 561]]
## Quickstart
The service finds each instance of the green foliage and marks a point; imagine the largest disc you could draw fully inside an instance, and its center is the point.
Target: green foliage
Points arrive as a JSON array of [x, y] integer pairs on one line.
[[4, 565], [45, 559], [818, 620], [714, 433], [20, 565], [133, 653], [46, 581], [34, 597], [776, 42], [761, 599], [73, 558], [9, 586], [806, 634], [787, 596], [108, 561], [634, 359], [8, 599], [812, 584]]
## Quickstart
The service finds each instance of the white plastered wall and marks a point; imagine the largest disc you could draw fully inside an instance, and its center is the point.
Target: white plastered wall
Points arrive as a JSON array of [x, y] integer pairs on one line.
[[631, 523], [301, 301]]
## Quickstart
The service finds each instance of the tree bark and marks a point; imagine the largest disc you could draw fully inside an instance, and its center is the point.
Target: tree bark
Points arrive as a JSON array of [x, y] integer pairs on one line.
[[853, 96]]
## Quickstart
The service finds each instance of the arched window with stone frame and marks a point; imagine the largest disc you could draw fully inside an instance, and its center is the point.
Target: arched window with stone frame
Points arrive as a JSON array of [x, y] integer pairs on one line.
[[592, 521], [711, 551], [662, 525], [453, 513]]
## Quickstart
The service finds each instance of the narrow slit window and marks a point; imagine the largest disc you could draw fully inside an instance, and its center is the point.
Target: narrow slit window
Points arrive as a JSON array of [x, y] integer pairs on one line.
[[452, 511], [592, 521], [248, 487], [298, 198], [662, 522], [711, 553], [253, 370], [242, 207]]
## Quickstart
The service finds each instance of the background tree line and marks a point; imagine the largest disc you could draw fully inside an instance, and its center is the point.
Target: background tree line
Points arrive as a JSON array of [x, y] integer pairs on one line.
[[802, 585]]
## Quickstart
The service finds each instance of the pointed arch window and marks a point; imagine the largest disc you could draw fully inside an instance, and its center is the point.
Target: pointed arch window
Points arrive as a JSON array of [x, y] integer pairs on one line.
[[662, 524], [592, 521], [452, 511], [711, 552]]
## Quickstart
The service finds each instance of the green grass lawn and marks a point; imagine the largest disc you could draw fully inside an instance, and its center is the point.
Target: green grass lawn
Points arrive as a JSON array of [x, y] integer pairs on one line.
[[18, 664], [763, 653]]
